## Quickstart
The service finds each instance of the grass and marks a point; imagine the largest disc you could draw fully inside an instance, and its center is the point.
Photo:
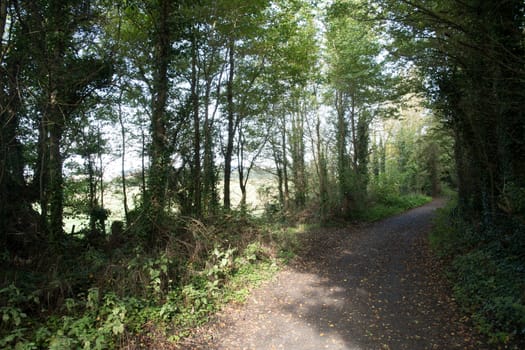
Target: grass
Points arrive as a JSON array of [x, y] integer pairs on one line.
[[113, 200], [394, 206]]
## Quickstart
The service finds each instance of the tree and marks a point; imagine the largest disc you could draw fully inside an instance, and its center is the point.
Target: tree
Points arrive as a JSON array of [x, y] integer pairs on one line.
[[242, 25], [472, 56], [359, 89], [66, 71], [162, 42], [15, 216], [293, 58]]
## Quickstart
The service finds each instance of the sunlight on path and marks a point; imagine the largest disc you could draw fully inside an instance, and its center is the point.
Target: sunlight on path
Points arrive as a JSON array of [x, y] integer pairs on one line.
[[374, 287], [297, 314]]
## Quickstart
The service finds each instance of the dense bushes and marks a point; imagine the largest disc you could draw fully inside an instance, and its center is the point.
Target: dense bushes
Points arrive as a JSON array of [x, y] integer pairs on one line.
[[109, 298], [487, 269]]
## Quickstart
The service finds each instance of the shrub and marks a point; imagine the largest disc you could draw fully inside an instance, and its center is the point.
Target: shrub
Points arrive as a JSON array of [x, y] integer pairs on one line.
[[487, 272]]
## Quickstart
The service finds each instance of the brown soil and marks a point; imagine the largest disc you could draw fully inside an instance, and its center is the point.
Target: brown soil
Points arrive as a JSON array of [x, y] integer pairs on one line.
[[372, 287]]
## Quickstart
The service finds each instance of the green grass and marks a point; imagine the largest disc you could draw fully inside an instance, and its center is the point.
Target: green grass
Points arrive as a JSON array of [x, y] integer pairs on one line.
[[394, 206]]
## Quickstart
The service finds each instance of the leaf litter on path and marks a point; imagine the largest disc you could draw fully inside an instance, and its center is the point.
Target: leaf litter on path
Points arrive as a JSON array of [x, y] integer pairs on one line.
[[372, 287]]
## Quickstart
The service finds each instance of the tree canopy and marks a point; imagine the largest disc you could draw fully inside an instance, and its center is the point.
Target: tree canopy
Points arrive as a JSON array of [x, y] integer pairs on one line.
[[128, 127]]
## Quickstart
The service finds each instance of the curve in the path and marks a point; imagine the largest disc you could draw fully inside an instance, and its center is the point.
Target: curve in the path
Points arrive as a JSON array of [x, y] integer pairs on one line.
[[377, 287]]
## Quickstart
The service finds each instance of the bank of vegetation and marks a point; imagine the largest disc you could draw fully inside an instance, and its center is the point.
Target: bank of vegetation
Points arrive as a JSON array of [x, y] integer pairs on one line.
[[134, 136]]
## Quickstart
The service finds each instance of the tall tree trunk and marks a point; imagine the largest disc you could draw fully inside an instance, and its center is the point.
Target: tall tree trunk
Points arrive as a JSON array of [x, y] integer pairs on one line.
[[123, 160], [55, 117], [240, 167], [92, 194], [56, 181], [285, 165], [102, 216], [209, 185], [341, 144], [323, 175], [158, 174], [297, 150], [12, 183], [143, 162], [41, 174], [228, 156], [196, 186], [362, 151], [277, 158], [353, 132]]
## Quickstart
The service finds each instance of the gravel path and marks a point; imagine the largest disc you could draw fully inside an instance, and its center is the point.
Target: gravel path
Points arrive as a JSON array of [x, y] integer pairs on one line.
[[372, 287]]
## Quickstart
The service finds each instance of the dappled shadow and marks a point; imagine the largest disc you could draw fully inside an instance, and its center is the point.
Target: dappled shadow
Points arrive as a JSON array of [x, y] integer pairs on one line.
[[376, 287], [382, 289]]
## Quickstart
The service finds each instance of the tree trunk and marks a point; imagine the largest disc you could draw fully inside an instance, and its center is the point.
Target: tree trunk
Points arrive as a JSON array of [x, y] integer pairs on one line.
[[362, 151], [102, 217], [341, 144], [297, 154], [240, 168], [143, 163], [12, 184], [277, 158], [209, 185], [158, 173], [196, 186], [92, 194], [231, 126], [285, 166], [56, 182], [123, 160], [323, 176]]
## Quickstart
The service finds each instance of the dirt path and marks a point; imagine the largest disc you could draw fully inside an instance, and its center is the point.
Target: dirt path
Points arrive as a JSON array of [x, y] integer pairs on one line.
[[374, 287]]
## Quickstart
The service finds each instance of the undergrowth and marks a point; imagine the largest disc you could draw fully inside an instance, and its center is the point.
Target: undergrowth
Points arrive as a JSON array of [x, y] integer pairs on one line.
[[128, 296], [487, 269], [393, 205], [118, 294]]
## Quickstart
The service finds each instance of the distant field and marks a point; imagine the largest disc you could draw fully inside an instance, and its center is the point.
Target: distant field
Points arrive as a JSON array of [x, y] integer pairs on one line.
[[113, 198]]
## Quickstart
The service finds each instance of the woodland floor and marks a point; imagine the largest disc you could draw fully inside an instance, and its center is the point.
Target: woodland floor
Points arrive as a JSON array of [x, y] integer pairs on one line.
[[376, 286]]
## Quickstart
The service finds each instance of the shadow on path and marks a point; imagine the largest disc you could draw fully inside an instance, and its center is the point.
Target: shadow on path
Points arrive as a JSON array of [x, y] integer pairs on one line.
[[376, 287]]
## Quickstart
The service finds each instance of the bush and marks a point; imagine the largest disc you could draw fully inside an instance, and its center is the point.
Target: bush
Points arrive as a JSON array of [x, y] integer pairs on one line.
[[102, 299], [488, 273]]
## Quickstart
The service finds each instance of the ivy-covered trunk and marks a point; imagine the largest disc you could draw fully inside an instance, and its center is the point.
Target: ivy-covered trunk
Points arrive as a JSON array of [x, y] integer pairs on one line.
[[298, 154], [196, 176], [342, 152], [159, 151], [13, 217]]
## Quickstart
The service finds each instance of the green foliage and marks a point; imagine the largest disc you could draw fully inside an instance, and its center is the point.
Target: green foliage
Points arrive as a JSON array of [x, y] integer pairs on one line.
[[110, 298], [14, 319], [392, 205], [488, 273]]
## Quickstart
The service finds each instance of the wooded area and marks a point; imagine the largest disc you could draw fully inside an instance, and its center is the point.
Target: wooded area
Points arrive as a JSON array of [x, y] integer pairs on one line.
[[347, 109]]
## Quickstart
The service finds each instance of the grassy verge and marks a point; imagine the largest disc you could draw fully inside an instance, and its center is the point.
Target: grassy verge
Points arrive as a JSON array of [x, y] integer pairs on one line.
[[487, 269], [393, 206]]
